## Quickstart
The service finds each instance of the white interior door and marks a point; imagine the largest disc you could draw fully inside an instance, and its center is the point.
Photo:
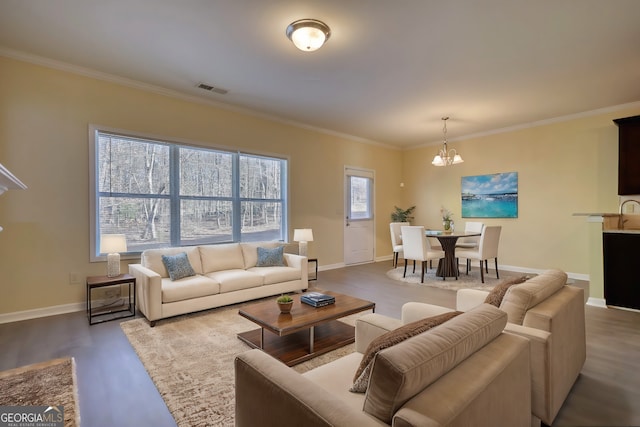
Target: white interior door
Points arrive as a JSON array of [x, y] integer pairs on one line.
[[359, 219]]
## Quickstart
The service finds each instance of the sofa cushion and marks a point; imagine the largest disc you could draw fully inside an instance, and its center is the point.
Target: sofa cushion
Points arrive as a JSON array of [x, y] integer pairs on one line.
[[270, 257], [273, 275], [234, 280], [250, 251], [522, 297], [152, 259], [178, 266], [403, 370], [496, 294], [188, 288], [221, 257], [361, 378]]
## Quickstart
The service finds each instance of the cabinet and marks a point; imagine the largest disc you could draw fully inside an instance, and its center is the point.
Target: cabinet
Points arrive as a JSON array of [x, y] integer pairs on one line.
[[628, 155], [621, 281]]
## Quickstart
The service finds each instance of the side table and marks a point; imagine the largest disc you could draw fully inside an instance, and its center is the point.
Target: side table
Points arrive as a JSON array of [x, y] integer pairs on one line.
[[315, 261], [128, 308]]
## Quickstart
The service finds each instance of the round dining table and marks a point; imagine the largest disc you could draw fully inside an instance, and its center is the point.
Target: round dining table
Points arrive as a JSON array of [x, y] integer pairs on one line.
[[447, 266]]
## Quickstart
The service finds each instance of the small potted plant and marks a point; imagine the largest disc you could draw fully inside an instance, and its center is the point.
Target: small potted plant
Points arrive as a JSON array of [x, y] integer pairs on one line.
[[284, 303], [447, 220], [402, 215]]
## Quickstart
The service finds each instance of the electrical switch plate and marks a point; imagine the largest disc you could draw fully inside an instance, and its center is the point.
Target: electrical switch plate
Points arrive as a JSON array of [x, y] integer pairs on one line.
[[75, 278]]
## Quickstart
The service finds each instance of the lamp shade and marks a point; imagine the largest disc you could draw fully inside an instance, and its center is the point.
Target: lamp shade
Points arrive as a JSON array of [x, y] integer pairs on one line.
[[303, 235], [113, 243]]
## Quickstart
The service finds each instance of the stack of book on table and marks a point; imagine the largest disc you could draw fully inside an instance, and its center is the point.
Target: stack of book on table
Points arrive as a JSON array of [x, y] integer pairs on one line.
[[316, 299]]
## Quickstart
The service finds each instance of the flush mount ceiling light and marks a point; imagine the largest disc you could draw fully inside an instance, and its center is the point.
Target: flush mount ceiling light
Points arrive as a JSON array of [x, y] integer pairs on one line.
[[308, 34], [446, 157]]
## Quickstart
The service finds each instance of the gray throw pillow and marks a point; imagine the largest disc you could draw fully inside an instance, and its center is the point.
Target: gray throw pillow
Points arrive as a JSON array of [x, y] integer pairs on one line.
[[271, 257], [178, 266]]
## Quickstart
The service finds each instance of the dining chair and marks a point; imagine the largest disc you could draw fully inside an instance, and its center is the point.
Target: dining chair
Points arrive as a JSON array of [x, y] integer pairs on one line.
[[487, 249], [470, 242], [416, 247], [396, 240]]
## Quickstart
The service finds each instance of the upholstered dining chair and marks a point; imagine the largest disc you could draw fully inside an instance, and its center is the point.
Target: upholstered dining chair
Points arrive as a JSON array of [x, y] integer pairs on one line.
[[470, 242], [416, 247], [487, 249], [396, 240]]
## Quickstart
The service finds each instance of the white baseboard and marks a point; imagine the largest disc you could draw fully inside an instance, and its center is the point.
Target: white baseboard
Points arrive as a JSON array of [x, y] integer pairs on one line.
[[597, 302], [17, 316]]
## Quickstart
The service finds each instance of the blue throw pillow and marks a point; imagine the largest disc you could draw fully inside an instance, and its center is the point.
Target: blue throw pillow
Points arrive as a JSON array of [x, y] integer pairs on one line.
[[178, 266], [271, 257]]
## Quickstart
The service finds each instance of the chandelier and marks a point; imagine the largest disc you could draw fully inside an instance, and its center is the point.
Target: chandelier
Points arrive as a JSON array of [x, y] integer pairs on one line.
[[446, 157]]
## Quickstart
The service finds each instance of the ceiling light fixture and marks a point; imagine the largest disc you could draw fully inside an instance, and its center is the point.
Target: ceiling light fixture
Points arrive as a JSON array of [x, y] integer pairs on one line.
[[308, 34], [446, 157]]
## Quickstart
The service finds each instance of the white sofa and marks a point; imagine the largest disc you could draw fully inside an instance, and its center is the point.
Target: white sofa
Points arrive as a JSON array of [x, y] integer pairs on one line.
[[225, 274]]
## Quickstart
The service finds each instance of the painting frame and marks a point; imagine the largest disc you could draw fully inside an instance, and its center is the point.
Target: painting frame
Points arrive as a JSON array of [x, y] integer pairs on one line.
[[490, 196]]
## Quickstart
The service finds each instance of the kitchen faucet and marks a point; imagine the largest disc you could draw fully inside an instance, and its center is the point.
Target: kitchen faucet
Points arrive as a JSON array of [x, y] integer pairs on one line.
[[624, 203], [620, 220]]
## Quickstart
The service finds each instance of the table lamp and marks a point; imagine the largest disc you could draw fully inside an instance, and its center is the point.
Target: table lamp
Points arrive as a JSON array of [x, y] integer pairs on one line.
[[303, 235], [112, 245]]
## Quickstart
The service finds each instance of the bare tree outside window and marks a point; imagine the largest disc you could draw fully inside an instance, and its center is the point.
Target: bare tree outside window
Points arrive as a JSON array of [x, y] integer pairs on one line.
[[157, 202]]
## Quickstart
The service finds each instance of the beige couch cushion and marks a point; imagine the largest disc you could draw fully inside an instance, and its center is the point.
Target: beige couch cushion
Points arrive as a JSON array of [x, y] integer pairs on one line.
[[235, 280], [391, 338], [187, 288], [273, 275], [402, 371], [221, 257], [250, 251], [522, 297], [152, 259]]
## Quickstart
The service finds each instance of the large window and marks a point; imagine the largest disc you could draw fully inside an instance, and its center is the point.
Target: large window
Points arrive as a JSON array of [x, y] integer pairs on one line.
[[160, 194]]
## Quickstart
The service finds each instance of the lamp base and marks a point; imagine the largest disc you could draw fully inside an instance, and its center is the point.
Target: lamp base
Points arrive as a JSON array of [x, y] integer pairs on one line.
[[113, 265], [302, 248]]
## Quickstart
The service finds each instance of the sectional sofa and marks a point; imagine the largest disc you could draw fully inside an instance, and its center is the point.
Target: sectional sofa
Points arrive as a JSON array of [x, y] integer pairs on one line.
[[223, 274], [463, 372], [551, 315]]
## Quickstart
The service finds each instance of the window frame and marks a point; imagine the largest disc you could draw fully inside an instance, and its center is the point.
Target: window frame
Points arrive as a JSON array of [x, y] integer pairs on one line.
[[174, 145]]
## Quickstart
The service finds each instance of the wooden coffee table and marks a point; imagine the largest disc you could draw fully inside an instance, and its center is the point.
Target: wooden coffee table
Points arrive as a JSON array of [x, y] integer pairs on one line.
[[304, 333]]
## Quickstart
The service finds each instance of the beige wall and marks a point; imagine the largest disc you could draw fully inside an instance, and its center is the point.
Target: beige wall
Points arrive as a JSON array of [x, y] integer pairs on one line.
[[563, 168], [44, 119]]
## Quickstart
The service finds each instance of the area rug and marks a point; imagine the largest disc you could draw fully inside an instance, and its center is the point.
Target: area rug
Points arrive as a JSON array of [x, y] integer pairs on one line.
[[190, 360], [52, 383], [471, 281]]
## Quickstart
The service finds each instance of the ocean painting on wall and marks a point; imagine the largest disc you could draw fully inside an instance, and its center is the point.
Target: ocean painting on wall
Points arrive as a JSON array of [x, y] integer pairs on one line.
[[490, 196]]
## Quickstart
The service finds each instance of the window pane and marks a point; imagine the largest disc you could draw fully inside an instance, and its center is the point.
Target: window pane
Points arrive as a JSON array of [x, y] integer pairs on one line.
[[145, 222], [261, 221], [205, 173], [134, 166], [260, 177], [360, 198], [163, 194], [205, 222]]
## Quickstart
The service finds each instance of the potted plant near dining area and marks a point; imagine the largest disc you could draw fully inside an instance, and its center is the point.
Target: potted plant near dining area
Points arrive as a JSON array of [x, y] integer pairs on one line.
[[447, 220], [402, 215]]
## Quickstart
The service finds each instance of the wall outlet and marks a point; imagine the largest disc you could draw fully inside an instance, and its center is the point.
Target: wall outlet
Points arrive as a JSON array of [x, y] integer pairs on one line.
[[75, 278]]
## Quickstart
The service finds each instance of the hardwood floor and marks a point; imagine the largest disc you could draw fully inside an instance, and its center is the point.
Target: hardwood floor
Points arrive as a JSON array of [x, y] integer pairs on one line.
[[115, 390]]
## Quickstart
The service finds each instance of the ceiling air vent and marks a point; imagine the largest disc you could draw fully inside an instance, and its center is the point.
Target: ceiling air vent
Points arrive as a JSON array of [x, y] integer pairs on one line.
[[212, 88]]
